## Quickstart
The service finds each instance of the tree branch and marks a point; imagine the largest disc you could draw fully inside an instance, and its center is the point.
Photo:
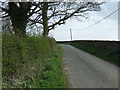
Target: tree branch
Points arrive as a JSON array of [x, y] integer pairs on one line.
[[4, 16], [4, 9], [62, 21]]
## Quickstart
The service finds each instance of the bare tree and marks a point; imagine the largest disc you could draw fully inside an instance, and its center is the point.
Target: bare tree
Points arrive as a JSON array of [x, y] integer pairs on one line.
[[52, 14], [48, 14], [19, 13]]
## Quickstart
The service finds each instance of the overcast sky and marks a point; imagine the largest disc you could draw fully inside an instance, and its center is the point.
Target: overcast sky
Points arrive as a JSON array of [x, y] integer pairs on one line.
[[105, 30]]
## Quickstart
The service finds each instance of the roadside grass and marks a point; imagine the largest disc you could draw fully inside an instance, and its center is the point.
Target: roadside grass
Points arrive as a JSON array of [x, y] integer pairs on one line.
[[32, 62], [50, 75], [111, 56]]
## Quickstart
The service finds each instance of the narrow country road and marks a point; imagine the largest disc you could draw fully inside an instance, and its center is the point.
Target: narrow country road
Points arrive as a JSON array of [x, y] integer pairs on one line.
[[87, 71]]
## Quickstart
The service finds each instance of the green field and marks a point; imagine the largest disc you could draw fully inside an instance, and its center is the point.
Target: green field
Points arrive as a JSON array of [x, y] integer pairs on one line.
[[106, 54]]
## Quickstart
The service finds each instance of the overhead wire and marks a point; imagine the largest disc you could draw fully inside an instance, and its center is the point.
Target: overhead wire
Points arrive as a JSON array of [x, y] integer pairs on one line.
[[98, 21], [86, 28]]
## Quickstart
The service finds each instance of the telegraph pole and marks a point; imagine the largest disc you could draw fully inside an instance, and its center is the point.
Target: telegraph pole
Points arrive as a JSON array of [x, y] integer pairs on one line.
[[71, 34]]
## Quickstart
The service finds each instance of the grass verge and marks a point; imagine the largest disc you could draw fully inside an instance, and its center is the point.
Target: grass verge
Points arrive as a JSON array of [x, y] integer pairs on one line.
[[108, 55], [51, 74], [31, 62]]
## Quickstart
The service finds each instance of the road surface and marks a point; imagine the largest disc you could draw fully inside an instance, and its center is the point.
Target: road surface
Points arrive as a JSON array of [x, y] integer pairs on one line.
[[87, 71]]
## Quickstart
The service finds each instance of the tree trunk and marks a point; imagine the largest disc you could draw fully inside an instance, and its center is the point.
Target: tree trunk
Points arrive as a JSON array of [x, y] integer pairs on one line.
[[45, 19], [19, 28], [19, 19]]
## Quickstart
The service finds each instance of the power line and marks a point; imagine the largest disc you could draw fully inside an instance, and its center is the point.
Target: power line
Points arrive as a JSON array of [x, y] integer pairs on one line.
[[99, 21]]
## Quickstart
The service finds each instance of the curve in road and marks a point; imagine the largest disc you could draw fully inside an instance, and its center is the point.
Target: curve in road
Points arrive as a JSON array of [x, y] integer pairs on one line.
[[87, 71]]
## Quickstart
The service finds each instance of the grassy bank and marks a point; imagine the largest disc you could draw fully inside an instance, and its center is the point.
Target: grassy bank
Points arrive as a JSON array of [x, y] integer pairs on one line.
[[106, 54], [31, 62]]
